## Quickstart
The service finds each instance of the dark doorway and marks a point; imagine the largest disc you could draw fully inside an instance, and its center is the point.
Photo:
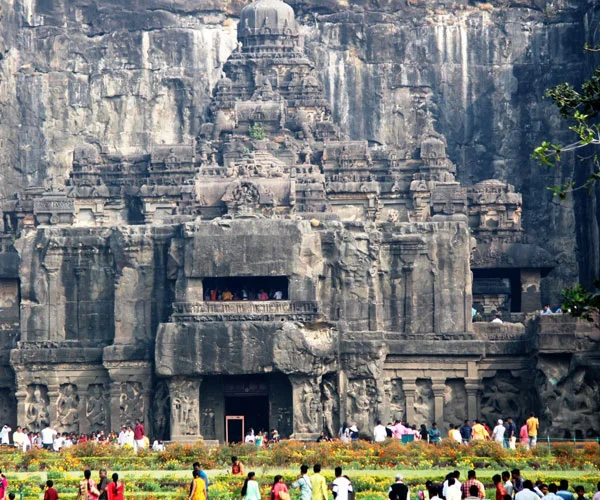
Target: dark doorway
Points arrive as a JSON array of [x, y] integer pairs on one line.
[[497, 282], [254, 409]]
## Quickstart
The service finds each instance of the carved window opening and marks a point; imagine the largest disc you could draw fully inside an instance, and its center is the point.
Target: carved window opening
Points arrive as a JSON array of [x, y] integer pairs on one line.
[[264, 288], [497, 290]]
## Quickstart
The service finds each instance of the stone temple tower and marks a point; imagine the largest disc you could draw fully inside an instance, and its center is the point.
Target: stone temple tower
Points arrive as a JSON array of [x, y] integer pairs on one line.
[[273, 274]]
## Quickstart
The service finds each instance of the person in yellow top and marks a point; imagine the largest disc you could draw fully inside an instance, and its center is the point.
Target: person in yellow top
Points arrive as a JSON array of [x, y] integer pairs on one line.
[[227, 295], [319, 485], [198, 491], [533, 426], [479, 432]]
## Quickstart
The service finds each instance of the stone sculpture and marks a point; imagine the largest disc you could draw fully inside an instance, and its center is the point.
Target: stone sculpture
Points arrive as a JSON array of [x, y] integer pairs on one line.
[[36, 407], [95, 408], [67, 408], [131, 402]]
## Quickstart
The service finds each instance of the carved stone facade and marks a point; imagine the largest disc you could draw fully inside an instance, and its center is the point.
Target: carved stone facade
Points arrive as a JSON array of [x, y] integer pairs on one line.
[[367, 259]]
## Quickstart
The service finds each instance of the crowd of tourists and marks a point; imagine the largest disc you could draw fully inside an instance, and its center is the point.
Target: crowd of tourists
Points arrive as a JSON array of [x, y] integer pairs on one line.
[[52, 440], [227, 294], [504, 433]]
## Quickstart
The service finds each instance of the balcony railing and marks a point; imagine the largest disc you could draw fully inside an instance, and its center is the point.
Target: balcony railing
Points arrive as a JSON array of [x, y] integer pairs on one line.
[[245, 310]]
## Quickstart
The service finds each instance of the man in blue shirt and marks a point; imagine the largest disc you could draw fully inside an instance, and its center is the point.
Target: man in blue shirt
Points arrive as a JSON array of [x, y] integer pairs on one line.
[[563, 490]]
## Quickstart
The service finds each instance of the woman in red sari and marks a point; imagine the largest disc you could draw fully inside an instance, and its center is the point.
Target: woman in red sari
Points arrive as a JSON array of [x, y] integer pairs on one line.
[[115, 489]]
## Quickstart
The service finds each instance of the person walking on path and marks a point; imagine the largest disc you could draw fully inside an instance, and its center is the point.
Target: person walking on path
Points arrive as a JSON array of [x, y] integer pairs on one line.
[[319, 485], [87, 487], [250, 490], [198, 491], [398, 490], [533, 426], [341, 486], [304, 483], [115, 488], [500, 489], [279, 490], [138, 436]]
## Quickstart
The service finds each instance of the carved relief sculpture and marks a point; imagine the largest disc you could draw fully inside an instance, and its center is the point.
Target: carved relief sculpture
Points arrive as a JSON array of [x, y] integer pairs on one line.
[[36, 407], [67, 408], [131, 402], [95, 408]]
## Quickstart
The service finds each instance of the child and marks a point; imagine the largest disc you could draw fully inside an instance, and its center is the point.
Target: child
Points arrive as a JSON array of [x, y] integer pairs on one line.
[[51, 493]]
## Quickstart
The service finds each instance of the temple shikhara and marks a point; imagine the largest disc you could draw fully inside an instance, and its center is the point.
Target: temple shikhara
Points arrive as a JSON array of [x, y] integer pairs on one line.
[[277, 272]]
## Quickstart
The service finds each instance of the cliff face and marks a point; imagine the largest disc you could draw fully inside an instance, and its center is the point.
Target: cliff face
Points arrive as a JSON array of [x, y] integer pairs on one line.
[[128, 75]]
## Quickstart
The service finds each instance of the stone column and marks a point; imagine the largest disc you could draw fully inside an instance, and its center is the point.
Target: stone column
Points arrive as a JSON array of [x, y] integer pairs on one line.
[[472, 388], [438, 387], [408, 297], [53, 392], [21, 396], [114, 418], [184, 394], [82, 392], [410, 389]]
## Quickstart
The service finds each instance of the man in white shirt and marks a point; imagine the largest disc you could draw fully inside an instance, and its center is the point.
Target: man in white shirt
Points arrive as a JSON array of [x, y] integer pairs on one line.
[[453, 490], [508, 486], [498, 433], [129, 437], [18, 437], [341, 485], [48, 434], [5, 434], [456, 476], [379, 432], [122, 436], [527, 492], [58, 442]]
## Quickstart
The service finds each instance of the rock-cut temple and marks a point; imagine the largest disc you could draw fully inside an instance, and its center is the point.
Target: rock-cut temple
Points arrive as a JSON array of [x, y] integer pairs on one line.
[[276, 274]]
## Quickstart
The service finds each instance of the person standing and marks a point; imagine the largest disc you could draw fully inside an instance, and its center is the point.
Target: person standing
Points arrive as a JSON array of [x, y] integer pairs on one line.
[[319, 485], [279, 490], [498, 433], [597, 494], [50, 493], [87, 487], [5, 435], [527, 492], [508, 486], [466, 431], [533, 426], [500, 489], [48, 434], [198, 490], [115, 488], [435, 435], [453, 490], [102, 484], [472, 480], [203, 476], [250, 490], [517, 480], [479, 432], [304, 483], [524, 436], [398, 490], [138, 436], [3, 485], [511, 433], [341, 485], [379, 432], [563, 490]]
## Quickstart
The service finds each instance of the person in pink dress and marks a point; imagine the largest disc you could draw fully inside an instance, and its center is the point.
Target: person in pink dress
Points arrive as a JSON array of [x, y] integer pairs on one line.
[[115, 489], [524, 436], [279, 491]]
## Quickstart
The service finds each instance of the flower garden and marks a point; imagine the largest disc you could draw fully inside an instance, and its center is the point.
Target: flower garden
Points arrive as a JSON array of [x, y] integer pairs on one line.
[[371, 467]]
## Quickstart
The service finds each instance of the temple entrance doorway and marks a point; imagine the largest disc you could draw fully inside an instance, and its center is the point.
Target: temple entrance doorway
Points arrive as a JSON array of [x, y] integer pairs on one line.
[[263, 401], [254, 410]]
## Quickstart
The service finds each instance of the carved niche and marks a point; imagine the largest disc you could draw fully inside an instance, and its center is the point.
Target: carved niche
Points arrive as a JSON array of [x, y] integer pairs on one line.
[[95, 407], [67, 408], [455, 402], [359, 404], [8, 407], [36, 407], [308, 404], [424, 401], [161, 410], [131, 402], [501, 398], [331, 406]]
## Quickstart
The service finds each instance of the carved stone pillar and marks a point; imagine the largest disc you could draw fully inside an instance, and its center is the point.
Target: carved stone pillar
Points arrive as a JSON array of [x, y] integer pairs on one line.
[[408, 297], [438, 387], [472, 388], [53, 392], [184, 394], [83, 398], [21, 396], [115, 406], [409, 394]]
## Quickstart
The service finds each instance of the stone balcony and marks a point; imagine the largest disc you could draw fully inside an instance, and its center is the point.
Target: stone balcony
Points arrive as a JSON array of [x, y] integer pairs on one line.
[[246, 310]]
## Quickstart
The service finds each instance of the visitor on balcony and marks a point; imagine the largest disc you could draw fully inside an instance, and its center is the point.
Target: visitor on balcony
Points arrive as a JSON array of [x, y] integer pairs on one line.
[[227, 295], [262, 295]]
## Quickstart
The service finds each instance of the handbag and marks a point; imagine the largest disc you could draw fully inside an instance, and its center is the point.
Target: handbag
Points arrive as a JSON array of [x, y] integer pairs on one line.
[[284, 495]]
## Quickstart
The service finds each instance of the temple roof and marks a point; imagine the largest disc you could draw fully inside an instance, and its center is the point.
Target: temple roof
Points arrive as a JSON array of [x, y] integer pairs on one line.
[[266, 17]]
